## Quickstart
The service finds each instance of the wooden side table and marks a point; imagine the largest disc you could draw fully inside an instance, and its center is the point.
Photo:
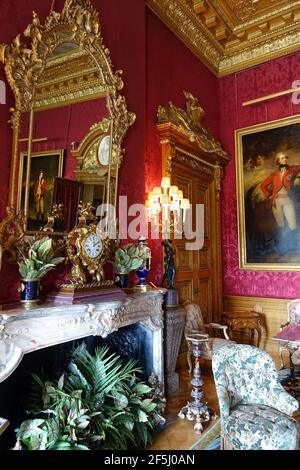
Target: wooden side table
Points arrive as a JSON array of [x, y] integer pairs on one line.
[[242, 320]]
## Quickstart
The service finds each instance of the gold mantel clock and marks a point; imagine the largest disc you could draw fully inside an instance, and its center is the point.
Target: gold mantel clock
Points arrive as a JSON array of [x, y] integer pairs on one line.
[[86, 250]]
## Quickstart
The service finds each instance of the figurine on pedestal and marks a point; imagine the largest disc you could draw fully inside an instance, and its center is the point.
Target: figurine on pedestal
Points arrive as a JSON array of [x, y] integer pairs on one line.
[[168, 280]]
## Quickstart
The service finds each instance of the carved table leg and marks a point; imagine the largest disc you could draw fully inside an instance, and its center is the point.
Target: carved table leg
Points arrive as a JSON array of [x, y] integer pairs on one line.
[[251, 336], [259, 333]]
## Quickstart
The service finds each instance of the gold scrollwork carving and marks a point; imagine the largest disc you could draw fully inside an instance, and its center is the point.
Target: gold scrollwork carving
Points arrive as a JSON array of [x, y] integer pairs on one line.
[[25, 64], [189, 122], [11, 233]]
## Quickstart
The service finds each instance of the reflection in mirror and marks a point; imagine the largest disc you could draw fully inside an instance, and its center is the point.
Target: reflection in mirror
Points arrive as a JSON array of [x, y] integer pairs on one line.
[[67, 98], [68, 194], [45, 166]]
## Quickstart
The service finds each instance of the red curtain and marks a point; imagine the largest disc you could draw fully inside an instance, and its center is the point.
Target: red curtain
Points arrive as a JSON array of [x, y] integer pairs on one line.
[[68, 193]]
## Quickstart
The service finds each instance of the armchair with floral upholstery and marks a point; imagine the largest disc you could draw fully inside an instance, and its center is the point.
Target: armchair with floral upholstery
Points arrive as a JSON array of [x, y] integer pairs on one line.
[[255, 410], [194, 324]]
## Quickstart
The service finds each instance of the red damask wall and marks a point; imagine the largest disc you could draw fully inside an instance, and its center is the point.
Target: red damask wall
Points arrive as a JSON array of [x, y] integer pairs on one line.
[[171, 68], [152, 78], [268, 78]]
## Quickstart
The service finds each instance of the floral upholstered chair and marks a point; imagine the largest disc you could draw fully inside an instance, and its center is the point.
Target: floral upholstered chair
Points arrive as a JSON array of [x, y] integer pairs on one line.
[[256, 411], [194, 324]]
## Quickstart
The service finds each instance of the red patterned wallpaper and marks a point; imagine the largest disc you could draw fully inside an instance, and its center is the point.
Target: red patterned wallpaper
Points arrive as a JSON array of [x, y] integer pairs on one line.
[[154, 78], [268, 78], [171, 68]]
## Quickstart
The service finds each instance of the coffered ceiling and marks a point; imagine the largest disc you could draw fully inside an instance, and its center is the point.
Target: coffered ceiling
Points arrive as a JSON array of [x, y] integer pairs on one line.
[[231, 35]]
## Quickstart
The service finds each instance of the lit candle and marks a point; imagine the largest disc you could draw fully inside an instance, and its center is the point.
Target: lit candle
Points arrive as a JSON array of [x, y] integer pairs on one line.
[[165, 183]]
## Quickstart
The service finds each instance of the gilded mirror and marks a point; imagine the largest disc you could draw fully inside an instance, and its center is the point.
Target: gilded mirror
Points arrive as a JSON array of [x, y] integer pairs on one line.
[[69, 118]]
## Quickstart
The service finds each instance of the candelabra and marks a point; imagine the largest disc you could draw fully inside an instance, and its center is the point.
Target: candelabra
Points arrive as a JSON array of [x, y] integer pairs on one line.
[[166, 208], [197, 410]]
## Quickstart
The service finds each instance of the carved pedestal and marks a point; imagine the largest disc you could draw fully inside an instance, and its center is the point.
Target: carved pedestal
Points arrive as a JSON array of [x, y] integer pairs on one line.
[[174, 326]]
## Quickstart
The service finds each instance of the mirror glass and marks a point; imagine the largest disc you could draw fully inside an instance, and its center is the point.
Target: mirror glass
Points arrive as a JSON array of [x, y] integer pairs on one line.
[[69, 119], [69, 101]]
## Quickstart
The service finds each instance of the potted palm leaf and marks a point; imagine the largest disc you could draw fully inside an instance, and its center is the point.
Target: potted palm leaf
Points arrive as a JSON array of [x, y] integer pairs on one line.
[[98, 404], [36, 258]]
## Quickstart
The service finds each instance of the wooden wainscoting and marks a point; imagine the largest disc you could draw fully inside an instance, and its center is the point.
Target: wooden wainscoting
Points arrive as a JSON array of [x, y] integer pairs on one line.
[[273, 314]]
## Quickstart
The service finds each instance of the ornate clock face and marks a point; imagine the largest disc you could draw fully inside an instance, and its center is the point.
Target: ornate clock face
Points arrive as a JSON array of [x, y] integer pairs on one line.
[[92, 246], [103, 150]]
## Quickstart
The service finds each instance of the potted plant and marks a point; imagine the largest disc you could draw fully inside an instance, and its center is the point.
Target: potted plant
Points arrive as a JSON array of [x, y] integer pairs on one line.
[[99, 403], [127, 258], [36, 258]]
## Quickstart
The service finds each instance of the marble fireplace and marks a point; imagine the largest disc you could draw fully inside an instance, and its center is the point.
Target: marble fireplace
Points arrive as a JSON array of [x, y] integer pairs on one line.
[[132, 326]]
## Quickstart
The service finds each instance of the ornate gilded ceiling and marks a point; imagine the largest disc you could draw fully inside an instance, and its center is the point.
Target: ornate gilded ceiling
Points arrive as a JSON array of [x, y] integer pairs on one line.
[[231, 35]]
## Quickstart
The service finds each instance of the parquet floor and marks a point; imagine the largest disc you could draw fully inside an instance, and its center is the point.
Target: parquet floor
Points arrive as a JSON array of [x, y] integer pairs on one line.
[[179, 434]]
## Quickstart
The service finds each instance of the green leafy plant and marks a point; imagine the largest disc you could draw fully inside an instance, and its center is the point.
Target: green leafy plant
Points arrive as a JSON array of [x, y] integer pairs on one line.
[[128, 258], [36, 258], [99, 404]]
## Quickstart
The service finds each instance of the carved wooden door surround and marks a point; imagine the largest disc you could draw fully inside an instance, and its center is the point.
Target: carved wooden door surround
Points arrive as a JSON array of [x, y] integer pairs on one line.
[[195, 162]]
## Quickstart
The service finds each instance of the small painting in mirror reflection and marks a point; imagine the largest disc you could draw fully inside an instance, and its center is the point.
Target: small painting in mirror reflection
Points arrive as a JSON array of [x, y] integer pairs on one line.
[[45, 166]]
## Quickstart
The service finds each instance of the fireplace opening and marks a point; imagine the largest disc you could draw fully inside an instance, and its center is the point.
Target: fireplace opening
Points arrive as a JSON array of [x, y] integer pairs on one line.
[[132, 342]]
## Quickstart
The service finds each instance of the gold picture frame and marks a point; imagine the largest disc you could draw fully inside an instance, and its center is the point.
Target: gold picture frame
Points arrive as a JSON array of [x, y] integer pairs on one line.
[[45, 166], [268, 190]]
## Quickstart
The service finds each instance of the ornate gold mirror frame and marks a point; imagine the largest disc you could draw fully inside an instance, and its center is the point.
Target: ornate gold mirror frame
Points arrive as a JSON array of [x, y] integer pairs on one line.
[[25, 64]]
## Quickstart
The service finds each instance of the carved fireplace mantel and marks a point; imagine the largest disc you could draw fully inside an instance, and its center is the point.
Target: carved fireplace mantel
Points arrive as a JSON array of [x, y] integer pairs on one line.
[[23, 331]]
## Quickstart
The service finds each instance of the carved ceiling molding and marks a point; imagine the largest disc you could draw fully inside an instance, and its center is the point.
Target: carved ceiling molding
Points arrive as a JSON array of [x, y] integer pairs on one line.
[[229, 36], [186, 25], [265, 51]]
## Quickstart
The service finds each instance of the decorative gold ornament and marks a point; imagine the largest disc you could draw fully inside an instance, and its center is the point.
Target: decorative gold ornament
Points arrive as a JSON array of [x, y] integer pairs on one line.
[[89, 169], [11, 233], [57, 213], [231, 35], [190, 122], [32, 71], [86, 250], [244, 9]]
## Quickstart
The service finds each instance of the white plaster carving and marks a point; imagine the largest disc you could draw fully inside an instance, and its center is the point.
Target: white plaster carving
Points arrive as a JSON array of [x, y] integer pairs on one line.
[[23, 331]]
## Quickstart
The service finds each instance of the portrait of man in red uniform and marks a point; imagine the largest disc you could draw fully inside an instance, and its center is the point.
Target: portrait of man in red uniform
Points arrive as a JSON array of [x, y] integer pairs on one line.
[[277, 187], [39, 193], [272, 209], [268, 191]]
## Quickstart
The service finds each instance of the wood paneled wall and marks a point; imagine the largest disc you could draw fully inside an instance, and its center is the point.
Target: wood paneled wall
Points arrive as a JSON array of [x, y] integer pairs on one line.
[[273, 314]]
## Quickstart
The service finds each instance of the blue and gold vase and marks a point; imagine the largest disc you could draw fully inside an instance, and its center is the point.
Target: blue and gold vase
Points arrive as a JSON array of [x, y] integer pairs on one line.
[[144, 269], [29, 290]]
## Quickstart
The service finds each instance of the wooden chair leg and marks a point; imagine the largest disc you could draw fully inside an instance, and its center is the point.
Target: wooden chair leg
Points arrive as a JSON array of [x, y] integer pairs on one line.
[[292, 365], [259, 334], [281, 357]]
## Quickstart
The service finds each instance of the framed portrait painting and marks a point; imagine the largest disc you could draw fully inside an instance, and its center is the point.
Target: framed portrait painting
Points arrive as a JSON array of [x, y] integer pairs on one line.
[[268, 185], [45, 166]]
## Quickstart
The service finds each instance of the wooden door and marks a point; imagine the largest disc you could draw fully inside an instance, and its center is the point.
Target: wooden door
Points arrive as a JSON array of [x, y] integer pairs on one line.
[[197, 272]]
